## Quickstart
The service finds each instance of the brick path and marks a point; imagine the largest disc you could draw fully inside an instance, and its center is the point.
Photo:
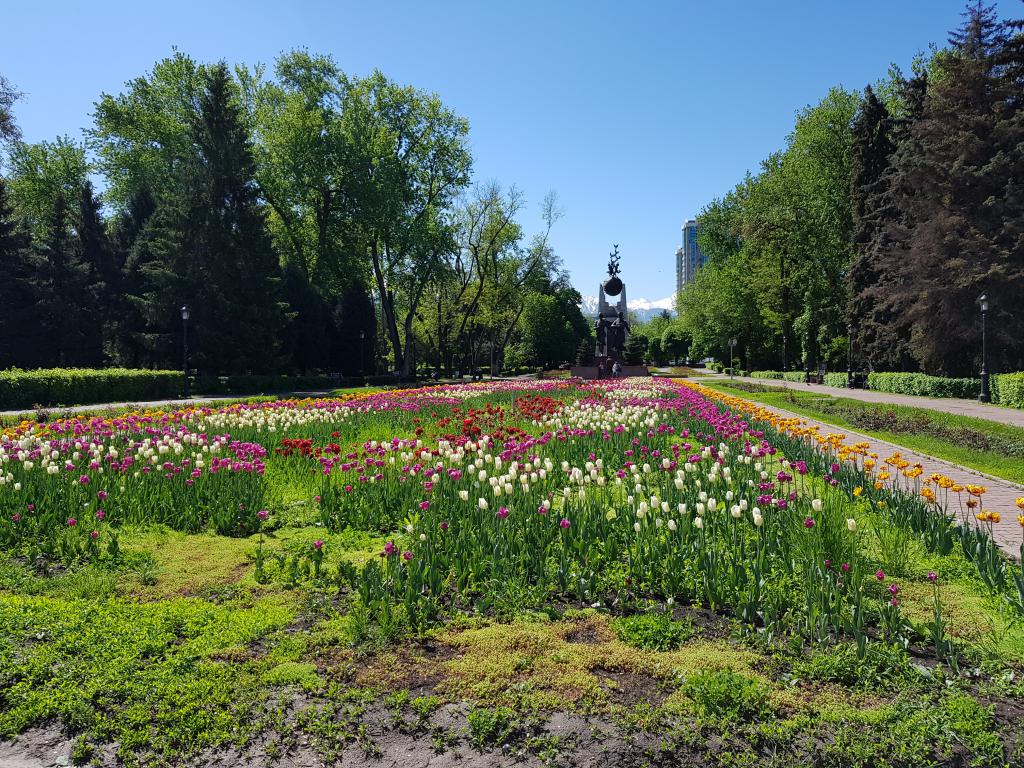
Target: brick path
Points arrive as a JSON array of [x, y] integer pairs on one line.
[[1012, 416], [1000, 497]]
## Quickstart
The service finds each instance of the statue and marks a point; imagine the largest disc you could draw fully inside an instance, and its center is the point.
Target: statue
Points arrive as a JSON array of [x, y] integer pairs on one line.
[[612, 328], [613, 285]]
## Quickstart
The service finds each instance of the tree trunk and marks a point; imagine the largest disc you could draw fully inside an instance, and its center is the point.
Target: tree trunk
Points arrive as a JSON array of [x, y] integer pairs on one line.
[[387, 304]]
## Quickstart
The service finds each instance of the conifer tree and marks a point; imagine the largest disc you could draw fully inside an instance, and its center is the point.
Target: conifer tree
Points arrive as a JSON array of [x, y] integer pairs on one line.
[[20, 330], [207, 246]]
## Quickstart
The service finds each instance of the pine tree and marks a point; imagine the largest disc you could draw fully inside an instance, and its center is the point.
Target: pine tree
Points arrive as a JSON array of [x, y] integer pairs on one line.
[[207, 246], [945, 190], [127, 323], [876, 339], [21, 333], [92, 250]]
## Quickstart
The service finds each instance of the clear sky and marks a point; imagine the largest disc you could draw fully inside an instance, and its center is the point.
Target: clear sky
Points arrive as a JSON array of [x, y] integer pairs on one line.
[[636, 113]]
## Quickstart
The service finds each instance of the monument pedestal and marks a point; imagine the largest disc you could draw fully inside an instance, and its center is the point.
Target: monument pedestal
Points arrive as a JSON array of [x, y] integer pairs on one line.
[[589, 372]]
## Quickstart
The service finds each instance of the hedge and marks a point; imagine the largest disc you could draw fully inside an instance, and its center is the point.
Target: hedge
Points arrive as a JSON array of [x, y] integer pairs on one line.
[[837, 379], [784, 375], [84, 386], [924, 385], [1008, 389]]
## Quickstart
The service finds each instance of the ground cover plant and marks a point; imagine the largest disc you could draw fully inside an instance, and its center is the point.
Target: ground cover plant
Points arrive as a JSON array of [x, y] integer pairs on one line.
[[638, 571], [987, 446]]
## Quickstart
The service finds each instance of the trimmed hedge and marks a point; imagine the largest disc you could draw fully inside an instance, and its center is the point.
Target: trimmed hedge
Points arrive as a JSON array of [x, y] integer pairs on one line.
[[1008, 389], [923, 385], [784, 375], [836, 379], [84, 386]]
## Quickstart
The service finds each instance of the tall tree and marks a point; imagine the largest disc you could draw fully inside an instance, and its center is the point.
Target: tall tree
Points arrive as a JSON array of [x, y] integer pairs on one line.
[[408, 161], [21, 332], [207, 246], [953, 173]]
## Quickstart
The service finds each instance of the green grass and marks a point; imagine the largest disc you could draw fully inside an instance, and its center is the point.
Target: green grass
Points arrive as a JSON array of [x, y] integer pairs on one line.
[[986, 446]]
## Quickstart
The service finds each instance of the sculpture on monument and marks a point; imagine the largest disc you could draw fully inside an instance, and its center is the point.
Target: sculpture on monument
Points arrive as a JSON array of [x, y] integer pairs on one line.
[[612, 326]]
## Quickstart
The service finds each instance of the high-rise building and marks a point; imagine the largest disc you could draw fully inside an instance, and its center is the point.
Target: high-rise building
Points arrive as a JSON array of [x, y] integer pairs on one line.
[[689, 257]]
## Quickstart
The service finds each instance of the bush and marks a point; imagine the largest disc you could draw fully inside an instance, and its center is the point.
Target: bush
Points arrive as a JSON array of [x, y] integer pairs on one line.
[[84, 386], [653, 631], [835, 379], [922, 384], [784, 375], [1008, 389]]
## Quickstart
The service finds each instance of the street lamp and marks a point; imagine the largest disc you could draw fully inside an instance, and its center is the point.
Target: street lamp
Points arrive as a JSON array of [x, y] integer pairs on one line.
[[984, 395], [362, 336], [849, 356], [184, 337], [732, 356]]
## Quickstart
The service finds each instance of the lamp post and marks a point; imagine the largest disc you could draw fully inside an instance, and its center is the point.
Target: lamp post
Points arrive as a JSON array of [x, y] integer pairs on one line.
[[732, 355], [849, 356], [984, 395], [362, 337], [184, 339]]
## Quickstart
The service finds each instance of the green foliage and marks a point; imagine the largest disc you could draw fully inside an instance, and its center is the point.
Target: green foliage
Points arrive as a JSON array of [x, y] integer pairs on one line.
[[721, 694], [923, 385], [76, 386], [1008, 389], [881, 667], [784, 375], [836, 379], [489, 726], [636, 349], [652, 631]]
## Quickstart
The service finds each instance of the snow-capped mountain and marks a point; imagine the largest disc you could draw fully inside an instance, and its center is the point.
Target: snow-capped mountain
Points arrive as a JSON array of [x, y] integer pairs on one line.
[[643, 308]]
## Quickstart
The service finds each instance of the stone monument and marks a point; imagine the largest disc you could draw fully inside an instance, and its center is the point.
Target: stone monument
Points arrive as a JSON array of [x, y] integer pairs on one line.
[[612, 326]]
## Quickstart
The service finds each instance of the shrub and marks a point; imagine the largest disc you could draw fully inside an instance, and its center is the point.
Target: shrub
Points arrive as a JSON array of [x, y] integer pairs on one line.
[[653, 631], [784, 375], [722, 694], [1008, 389], [923, 385], [836, 379], [84, 386]]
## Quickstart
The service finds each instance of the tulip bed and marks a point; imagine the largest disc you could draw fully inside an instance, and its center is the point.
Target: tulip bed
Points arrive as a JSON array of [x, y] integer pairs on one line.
[[662, 567]]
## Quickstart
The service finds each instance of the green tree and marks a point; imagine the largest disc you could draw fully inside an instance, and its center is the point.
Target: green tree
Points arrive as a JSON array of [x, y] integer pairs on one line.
[[43, 176], [408, 160], [207, 246]]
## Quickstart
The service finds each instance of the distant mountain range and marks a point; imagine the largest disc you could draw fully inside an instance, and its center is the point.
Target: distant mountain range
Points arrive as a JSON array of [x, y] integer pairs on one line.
[[643, 308]]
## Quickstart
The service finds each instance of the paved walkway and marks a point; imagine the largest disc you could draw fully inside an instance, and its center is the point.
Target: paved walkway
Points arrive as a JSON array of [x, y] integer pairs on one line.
[[57, 411], [1011, 416], [1000, 497]]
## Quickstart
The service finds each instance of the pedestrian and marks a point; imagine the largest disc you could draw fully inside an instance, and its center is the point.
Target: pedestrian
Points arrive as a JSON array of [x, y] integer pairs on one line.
[[600, 369], [616, 370]]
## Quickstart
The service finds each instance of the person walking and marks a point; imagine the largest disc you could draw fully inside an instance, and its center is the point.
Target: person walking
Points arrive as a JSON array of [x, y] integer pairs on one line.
[[600, 369], [616, 370]]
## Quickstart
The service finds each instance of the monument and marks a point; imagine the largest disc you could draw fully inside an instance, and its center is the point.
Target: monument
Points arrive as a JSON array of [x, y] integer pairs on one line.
[[612, 328]]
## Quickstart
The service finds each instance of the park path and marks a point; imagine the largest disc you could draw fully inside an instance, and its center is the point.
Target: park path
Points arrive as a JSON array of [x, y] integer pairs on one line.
[[1011, 416], [60, 411], [1001, 495]]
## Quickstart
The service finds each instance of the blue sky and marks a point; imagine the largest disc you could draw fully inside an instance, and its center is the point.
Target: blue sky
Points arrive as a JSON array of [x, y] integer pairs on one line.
[[636, 113]]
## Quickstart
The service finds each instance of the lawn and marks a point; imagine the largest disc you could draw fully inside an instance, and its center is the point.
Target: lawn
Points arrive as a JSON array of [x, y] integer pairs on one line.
[[505, 573], [986, 446]]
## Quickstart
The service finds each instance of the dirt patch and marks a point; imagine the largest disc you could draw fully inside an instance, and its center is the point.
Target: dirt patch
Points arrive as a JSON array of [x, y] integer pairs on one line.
[[417, 667], [630, 688], [590, 631]]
